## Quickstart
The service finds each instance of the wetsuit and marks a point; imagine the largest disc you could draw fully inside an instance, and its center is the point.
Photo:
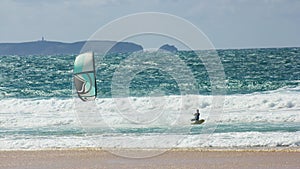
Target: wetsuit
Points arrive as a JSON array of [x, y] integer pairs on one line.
[[197, 115]]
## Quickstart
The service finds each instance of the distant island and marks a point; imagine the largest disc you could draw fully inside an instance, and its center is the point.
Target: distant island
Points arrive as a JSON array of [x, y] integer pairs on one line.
[[169, 48], [43, 47]]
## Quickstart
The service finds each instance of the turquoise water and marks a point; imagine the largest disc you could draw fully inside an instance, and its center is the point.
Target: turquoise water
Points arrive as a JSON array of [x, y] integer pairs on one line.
[[246, 70]]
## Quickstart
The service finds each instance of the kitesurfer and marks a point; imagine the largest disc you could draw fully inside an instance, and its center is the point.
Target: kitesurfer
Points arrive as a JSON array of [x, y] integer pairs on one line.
[[197, 115]]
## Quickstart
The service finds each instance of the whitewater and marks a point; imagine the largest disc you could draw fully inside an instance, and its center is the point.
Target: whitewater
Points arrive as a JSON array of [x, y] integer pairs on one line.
[[254, 120]]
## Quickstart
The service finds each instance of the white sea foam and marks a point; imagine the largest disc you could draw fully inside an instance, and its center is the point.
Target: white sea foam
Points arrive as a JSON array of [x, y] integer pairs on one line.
[[270, 107], [24, 113], [218, 140], [169, 111]]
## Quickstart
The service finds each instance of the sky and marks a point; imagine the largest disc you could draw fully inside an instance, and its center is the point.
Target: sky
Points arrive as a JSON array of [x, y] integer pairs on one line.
[[227, 23]]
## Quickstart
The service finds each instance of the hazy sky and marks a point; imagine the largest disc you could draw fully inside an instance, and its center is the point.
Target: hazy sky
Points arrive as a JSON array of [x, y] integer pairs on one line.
[[227, 23]]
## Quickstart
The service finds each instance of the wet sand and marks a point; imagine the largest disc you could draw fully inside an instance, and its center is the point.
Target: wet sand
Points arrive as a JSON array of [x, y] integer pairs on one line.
[[178, 158]]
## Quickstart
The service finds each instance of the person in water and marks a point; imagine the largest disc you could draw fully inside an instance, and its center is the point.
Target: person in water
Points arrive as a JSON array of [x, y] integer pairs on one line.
[[197, 115]]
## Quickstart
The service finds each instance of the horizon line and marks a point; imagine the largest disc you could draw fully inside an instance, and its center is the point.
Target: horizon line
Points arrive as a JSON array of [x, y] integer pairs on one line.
[[221, 48]]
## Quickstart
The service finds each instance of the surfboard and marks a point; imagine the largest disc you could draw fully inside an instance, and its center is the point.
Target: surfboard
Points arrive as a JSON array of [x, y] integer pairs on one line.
[[198, 121]]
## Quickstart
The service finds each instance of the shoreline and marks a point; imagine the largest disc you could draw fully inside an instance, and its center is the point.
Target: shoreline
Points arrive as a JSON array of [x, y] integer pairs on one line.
[[188, 149]]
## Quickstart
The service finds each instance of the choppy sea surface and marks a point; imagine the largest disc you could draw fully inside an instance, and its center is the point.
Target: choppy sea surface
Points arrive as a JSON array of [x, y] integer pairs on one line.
[[259, 108]]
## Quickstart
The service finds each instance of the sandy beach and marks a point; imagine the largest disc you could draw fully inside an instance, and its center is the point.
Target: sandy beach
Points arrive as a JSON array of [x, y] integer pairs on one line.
[[178, 158]]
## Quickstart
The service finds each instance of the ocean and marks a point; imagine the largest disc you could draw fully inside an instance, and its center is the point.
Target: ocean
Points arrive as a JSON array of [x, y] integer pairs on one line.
[[260, 107]]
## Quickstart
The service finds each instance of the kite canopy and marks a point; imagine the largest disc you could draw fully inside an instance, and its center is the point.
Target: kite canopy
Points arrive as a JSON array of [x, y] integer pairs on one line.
[[85, 76]]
